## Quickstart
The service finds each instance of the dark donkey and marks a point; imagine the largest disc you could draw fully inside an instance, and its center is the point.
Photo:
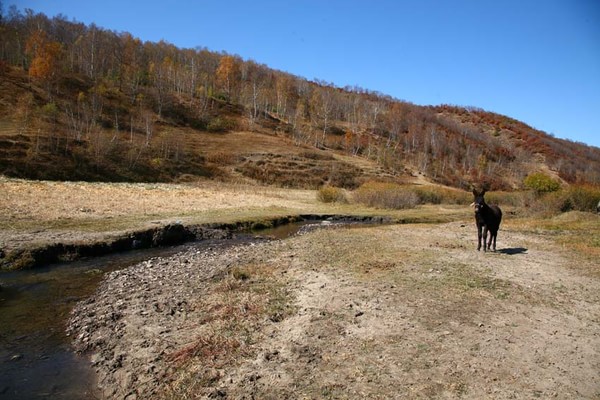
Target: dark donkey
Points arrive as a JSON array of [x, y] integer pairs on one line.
[[487, 217]]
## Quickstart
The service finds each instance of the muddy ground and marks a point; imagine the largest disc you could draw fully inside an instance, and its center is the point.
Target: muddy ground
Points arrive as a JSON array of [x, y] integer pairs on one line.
[[398, 311]]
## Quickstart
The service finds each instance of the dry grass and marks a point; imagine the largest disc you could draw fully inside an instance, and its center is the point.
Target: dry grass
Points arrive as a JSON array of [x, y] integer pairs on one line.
[[577, 231], [408, 310], [395, 196], [386, 195], [51, 200], [306, 170], [234, 309], [39, 212], [119, 204]]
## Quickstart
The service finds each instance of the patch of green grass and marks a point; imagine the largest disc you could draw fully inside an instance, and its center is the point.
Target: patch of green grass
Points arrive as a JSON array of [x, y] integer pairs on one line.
[[423, 347]]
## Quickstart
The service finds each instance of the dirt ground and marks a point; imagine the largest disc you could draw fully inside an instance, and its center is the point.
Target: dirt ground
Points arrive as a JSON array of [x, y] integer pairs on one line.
[[397, 311]]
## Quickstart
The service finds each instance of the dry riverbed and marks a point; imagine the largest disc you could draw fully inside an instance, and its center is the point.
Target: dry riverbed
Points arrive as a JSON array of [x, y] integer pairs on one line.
[[398, 311]]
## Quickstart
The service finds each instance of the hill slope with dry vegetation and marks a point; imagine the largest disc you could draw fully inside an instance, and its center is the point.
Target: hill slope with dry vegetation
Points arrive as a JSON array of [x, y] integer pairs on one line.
[[80, 102]]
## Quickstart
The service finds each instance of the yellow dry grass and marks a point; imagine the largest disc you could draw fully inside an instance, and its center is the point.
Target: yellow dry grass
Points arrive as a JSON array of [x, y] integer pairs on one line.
[[36, 212], [49, 201], [45, 201]]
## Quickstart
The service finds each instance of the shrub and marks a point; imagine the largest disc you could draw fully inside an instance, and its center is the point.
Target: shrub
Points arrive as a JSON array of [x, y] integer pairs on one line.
[[573, 198], [386, 195], [50, 111], [331, 194], [428, 195], [541, 183], [241, 274], [220, 124], [581, 198], [515, 199], [439, 195]]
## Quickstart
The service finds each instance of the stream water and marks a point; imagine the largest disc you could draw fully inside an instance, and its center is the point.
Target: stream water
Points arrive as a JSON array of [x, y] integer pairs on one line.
[[36, 359]]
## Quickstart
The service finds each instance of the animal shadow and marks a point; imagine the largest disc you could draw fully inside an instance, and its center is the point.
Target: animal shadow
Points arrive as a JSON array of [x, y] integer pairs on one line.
[[513, 250]]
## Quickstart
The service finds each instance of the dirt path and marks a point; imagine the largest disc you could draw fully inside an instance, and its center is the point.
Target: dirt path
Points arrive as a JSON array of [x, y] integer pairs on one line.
[[402, 311]]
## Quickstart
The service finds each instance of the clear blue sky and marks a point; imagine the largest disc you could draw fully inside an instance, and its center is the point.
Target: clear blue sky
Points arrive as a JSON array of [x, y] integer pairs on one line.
[[537, 61]]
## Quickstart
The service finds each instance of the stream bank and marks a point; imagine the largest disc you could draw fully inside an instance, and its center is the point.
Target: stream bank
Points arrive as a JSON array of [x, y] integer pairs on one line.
[[37, 358], [68, 250]]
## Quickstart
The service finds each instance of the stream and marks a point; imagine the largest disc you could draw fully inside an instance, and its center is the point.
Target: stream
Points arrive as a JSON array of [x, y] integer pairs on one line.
[[36, 358]]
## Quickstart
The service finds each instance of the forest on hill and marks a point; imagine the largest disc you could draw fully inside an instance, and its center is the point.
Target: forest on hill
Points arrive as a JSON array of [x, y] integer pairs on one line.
[[82, 102]]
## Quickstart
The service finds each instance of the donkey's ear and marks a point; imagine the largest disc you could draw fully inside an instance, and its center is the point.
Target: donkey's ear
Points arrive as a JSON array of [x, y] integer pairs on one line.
[[482, 192], [475, 193]]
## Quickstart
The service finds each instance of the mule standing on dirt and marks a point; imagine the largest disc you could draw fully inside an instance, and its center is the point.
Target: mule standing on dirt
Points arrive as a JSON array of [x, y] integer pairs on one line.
[[487, 218]]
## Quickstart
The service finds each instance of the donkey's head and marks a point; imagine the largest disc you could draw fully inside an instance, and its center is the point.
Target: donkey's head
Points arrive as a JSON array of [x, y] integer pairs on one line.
[[479, 201]]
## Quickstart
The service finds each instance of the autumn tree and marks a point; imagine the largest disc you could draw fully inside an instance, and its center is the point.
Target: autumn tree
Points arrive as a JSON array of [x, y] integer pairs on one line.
[[286, 96], [158, 73], [228, 76], [131, 66], [321, 107], [45, 56], [396, 123]]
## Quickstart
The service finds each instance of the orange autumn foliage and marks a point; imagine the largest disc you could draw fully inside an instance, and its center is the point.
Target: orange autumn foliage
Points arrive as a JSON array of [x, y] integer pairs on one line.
[[45, 56]]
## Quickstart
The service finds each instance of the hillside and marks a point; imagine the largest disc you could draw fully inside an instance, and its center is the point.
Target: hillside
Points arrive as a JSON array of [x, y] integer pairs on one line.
[[83, 103]]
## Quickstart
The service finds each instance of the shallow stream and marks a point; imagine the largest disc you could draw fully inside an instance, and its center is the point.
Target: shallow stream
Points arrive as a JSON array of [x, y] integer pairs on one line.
[[36, 359]]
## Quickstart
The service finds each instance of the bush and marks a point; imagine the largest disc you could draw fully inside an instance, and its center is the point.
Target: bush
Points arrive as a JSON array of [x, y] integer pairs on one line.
[[541, 183], [581, 198], [515, 199], [50, 111], [573, 198], [439, 195], [550, 204], [221, 124], [386, 195], [330, 194]]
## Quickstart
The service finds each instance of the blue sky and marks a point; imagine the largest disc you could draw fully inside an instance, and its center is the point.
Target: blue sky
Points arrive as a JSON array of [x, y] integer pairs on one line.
[[537, 61]]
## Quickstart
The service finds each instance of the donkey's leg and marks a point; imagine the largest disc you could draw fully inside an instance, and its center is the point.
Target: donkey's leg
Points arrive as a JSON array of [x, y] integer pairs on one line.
[[495, 235], [485, 233], [479, 227], [492, 235]]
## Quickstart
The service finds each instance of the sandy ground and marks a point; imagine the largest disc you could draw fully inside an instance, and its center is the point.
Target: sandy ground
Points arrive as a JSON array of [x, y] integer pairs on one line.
[[400, 311]]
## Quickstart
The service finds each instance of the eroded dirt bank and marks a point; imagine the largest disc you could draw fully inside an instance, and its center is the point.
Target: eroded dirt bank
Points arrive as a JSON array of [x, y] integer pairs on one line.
[[400, 311]]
